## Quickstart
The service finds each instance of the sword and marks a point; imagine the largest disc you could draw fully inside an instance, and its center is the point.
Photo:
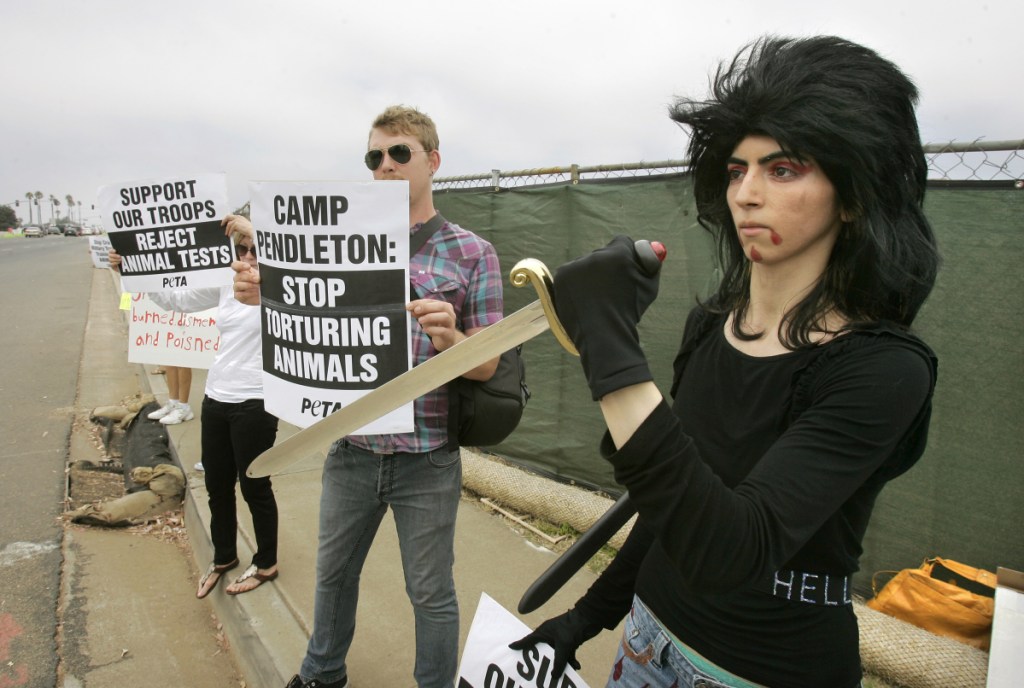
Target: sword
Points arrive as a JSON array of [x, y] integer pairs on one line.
[[573, 559], [488, 343]]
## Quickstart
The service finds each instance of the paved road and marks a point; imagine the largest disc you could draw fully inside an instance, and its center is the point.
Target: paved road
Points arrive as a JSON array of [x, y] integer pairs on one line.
[[45, 295], [81, 607]]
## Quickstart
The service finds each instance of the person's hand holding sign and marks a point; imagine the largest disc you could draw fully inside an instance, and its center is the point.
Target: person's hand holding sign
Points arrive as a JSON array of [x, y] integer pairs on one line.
[[437, 318], [247, 276], [237, 223]]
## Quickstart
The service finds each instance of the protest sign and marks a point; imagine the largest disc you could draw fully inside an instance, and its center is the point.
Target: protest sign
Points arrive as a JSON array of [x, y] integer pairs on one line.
[[487, 662], [334, 281], [99, 246], [160, 337], [168, 232]]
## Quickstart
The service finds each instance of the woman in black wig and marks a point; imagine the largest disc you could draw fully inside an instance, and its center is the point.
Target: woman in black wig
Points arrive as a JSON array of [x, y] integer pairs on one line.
[[799, 390]]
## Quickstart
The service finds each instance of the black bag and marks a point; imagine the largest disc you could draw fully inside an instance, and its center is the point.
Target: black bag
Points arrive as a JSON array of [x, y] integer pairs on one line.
[[481, 414], [488, 412]]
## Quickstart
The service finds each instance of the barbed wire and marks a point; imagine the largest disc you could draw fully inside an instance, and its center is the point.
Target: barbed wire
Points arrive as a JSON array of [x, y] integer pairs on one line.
[[952, 161]]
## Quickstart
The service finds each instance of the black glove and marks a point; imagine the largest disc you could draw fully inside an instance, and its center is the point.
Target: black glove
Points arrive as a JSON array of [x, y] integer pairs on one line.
[[565, 634], [600, 299]]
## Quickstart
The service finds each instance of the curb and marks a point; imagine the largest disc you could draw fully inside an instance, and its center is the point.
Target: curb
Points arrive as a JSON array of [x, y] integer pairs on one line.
[[265, 631]]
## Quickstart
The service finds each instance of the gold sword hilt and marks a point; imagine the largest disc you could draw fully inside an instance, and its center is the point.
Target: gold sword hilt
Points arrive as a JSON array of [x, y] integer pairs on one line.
[[531, 270], [649, 256]]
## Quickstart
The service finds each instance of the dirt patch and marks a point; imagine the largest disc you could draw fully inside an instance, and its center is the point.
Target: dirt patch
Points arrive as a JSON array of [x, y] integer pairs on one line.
[[96, 474], [89, 483]]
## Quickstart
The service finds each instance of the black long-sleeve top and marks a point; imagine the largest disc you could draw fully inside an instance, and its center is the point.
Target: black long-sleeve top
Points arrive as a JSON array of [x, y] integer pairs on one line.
[[762, 464]]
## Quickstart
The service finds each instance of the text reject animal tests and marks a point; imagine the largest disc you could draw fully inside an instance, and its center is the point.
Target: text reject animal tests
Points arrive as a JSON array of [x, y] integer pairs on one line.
[[168, 231]]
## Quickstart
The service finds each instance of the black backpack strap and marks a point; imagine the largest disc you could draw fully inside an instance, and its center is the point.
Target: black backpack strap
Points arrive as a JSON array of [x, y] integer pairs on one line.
[[416, 243], [428, 229]]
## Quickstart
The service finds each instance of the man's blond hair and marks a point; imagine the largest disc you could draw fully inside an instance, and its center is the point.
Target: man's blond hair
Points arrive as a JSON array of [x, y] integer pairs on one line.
[[408, 121]]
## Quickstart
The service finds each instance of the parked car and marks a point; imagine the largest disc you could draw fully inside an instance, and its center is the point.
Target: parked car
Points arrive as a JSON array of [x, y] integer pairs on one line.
[[32, 232], [53, 229], [72, 230]]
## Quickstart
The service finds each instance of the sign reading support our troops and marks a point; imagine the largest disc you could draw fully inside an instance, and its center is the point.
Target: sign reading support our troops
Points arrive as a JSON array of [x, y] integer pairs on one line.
[[334, 281], [168, 232]]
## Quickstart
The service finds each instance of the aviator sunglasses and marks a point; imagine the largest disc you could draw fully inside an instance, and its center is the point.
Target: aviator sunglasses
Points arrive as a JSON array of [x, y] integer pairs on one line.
[[241, 250], [400, 153]]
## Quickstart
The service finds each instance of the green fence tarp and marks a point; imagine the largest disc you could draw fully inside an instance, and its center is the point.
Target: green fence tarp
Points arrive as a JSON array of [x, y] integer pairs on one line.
[[964, 498]]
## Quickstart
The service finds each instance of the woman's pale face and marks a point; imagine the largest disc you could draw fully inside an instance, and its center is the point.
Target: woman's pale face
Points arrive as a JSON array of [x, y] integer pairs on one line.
[[785, 209], [249, 255]]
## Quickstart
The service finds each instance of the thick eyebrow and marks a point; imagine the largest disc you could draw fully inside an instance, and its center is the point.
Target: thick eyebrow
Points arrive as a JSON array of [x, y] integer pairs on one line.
[[766, 159]]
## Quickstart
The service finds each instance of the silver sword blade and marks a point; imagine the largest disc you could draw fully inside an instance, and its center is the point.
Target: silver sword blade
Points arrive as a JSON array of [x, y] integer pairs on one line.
[[488, 343]]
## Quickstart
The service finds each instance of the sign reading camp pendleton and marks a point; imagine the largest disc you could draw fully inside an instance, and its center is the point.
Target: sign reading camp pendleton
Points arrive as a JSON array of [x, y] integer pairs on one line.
[[334, 281], [168, 232]]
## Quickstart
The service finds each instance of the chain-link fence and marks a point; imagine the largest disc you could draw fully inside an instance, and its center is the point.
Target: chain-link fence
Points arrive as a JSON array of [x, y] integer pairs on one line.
[[499, 179], [979, 161], [1001, 162]]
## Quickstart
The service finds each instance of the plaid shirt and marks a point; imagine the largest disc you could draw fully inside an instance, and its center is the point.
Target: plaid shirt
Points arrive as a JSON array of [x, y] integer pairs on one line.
[[459, 267]]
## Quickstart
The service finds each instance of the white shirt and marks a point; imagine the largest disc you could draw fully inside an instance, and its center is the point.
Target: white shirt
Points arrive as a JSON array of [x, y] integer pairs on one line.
[[237, 370]]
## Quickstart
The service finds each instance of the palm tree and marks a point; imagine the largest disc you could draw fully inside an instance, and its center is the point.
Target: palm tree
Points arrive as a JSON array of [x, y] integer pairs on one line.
[[54, 202], [29, 196], [38, 195], [71, 205]]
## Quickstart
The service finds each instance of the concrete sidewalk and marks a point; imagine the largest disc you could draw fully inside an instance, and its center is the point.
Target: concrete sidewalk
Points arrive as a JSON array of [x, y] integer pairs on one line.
[[268, 628]]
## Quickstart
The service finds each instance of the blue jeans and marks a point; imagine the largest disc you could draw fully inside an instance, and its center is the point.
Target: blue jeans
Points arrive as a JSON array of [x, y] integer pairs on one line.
[[648, 657], [423, 490]]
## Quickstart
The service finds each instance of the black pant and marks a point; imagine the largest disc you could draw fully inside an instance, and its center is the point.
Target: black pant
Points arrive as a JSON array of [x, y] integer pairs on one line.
[[234, 435]]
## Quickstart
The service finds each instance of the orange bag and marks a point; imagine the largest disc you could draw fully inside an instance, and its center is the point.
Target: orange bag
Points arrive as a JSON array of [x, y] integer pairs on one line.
[[944, 597]]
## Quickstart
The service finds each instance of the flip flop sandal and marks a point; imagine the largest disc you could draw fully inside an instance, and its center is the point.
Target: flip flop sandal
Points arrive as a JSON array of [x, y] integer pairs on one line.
[[214, 570], [253, 572]]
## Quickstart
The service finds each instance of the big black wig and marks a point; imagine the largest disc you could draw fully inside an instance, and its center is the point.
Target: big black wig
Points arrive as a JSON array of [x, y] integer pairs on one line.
[[852, 112]]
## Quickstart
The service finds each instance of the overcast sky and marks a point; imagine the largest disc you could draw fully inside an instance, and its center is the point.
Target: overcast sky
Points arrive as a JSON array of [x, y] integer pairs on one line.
[[107, 91]]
